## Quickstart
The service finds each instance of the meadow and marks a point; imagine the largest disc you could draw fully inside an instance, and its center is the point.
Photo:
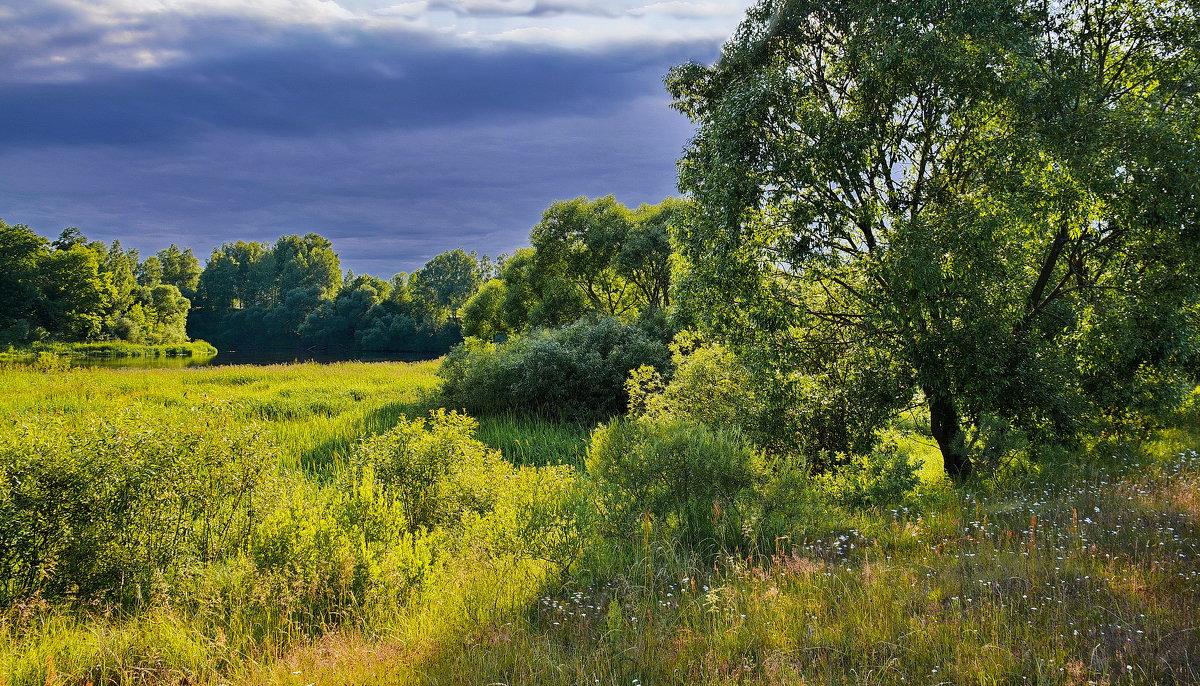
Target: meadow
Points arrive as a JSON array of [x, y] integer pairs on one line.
[[260, 525]]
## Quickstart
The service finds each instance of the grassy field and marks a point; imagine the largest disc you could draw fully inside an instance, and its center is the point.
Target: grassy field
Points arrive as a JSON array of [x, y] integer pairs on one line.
[[314, 412], [1084, 571]]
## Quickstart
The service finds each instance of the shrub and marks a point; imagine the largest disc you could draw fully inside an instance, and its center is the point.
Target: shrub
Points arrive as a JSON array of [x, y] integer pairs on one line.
[[434, 468], [709, 385], [577, 372], [543, 513], [437, 477], [105, 509], [880, 478], [696, 481], [319, 552]]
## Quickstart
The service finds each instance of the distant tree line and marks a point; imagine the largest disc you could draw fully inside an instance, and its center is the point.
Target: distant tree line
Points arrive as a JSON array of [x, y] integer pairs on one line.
[[292, 293], [74, 289]]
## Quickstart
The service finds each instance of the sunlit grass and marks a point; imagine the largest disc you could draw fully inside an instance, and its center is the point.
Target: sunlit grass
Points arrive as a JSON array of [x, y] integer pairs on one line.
[[1086, 571], [1089, 582], [315, 412]]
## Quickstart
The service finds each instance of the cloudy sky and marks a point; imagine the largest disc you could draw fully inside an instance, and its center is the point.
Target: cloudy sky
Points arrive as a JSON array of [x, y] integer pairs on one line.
[[397, 130]]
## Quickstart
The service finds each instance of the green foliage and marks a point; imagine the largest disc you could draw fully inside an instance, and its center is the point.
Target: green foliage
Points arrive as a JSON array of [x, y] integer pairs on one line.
[[334, 582], [335, 322], [116, 349], [236, 275], [110, 508], [318, 553], [712, 385], [178, 268], [576, 244], [306, 263], [577, 372], [21, 251], [433, 468], [589, 257], [482, 315], [709, 385], [293, 293], [694, 482], [882, 478], [260, 294], [81, 291], [543, 513], [990, 205], [74, 292], [447, 281]]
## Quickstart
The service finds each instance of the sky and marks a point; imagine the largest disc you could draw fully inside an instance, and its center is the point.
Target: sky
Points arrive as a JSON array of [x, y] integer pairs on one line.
[[398, 131]]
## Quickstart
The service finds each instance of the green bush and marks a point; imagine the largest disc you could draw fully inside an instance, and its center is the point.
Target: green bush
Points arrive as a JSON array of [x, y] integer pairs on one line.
[[434, 468], [320, 552], [431, 480], [542, 513], [106, 509], [577, 372], [709, 385], [696, 482], [877, 479]]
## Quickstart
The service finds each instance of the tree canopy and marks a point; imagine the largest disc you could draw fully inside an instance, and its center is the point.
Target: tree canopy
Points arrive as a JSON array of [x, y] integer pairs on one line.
[[990, 206], [74, 289], [587, 257]]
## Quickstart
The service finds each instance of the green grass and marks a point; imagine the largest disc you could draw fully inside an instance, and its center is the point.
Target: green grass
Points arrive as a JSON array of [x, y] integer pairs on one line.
[[111, 349], [1086, 570], [315, 412], [1092, 580], [526, 440]]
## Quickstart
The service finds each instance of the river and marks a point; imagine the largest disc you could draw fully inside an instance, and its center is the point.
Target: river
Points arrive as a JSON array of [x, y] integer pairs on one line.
[[251, 357]]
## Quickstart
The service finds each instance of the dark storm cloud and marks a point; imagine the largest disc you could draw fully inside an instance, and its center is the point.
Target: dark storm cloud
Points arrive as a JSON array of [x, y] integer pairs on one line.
[[315, 84], [396, 141], [388, 200]]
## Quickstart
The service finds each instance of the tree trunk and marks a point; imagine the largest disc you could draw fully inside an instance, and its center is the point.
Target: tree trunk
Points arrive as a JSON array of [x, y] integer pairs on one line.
[[943, 422]]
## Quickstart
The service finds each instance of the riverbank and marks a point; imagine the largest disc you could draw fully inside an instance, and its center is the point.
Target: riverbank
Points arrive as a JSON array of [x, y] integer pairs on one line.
[[110, 349]]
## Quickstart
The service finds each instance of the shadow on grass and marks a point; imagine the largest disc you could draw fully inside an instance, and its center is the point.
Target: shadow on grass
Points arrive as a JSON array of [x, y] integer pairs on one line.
[[534, 441], [323, 456]]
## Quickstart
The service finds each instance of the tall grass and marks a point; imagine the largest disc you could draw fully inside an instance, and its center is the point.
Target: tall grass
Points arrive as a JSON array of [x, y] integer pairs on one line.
[[1085, 569], [314, 412], [310, 549], [1082, 582], [528, 440]]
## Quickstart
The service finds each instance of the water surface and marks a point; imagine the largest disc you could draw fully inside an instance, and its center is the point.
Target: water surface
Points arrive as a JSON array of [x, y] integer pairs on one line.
[[251, 357]]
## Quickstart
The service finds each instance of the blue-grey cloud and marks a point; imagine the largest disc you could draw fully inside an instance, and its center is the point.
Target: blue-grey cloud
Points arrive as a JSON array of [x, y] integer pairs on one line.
[[397, 140], [388, 199], [314, 84]]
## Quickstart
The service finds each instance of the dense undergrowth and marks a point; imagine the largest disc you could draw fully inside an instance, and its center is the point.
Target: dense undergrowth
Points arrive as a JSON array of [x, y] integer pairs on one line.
[[317, 524]]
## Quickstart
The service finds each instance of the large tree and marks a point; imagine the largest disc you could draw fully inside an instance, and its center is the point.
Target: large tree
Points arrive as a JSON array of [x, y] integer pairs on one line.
[[21, 253], [588, 257], [180, 268], [990, 206], [447, 281]]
